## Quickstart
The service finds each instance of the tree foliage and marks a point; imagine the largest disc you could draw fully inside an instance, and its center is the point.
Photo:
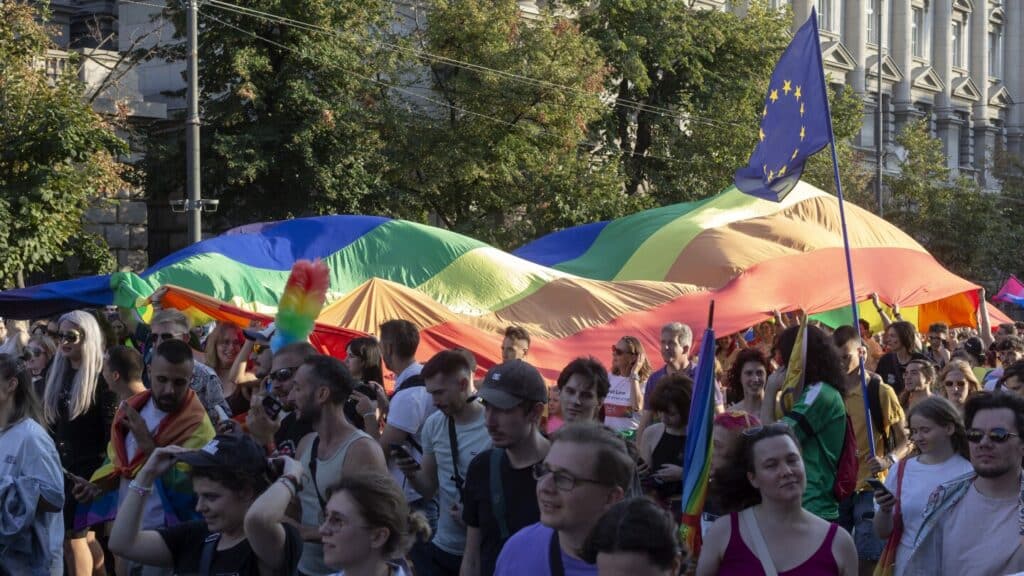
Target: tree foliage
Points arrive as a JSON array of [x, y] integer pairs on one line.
[[290, 116], [495, 156], [56, 154]]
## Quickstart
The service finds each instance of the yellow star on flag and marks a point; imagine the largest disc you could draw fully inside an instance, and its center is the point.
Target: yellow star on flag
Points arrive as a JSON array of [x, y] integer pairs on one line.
[[801, 109], [782, 171], [764, 114], [803, 132], [774, 96], [797, 93], [771, 175], [761, 130], [795, 152], [787, 86]]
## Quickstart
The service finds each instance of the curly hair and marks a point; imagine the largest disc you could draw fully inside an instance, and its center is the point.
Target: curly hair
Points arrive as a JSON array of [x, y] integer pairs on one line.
[[733, 379], [731, 487], [822, 362]]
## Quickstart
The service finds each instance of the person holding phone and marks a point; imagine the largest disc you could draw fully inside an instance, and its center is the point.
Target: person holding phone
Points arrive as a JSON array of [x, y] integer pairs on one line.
[[243, 529], [630, 368], [940, 442]]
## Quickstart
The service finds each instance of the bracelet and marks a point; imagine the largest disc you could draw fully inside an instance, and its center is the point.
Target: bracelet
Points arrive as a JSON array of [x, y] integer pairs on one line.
[[289, 484], [371, 413], [295, 481], [140, 489]]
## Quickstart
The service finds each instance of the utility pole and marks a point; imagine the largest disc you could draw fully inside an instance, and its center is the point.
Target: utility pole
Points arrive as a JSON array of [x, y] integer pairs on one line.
[[193, 206], [879, 136]]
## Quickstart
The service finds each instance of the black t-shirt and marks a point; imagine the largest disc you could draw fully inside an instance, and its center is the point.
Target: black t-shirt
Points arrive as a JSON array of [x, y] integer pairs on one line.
[[292, 430], [891, 371], [185, 542], [521, 507]]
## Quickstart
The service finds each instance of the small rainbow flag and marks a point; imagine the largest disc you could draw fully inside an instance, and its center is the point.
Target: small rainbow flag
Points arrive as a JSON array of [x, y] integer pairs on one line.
[[697, 457]]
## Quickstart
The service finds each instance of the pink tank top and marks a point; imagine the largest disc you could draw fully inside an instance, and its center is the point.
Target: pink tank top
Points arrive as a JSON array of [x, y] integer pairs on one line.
[[739, 560]]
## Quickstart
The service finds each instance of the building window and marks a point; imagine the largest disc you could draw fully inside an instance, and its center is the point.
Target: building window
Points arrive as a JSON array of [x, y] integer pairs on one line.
[[873, 11], [916, 31], [995, 52], [825, 15], [957, 42]]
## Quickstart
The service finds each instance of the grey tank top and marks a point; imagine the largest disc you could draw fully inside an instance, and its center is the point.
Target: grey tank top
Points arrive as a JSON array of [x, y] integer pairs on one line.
[[328, 472]]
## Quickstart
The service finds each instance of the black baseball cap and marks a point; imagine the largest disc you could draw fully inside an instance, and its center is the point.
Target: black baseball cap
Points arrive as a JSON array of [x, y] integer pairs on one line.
[[511, 383], [261, 336], [236, 451]]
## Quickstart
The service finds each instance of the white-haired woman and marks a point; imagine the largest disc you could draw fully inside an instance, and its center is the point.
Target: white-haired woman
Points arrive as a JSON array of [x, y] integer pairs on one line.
[[79, 409]]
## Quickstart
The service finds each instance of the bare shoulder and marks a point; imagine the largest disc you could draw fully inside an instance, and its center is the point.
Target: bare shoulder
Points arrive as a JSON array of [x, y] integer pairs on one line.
[[845, 552]]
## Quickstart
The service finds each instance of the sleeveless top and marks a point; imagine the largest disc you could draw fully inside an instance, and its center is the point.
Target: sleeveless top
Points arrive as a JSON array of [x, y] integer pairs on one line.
[[739, 560], [328, 472], [669, 450]]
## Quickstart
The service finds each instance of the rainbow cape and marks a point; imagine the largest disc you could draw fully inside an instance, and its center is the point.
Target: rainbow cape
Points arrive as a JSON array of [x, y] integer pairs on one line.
[[697, 457], [189, 428]]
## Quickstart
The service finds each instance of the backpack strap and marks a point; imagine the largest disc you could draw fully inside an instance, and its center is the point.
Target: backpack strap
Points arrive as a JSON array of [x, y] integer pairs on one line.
[[498, 492], [555, 555], [875, 404], [312, 471], [207, 553], [453, 440]]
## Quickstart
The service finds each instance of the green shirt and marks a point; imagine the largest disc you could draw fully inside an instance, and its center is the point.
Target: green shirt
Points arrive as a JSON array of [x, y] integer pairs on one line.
[[821, 409]]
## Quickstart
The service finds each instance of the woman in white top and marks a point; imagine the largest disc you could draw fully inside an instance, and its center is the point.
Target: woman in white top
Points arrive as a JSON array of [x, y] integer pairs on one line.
[[937, 431], [630, 370], [368, 528]]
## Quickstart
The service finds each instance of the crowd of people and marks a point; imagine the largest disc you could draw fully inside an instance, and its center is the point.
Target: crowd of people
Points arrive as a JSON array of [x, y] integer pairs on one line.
[[135, 448]]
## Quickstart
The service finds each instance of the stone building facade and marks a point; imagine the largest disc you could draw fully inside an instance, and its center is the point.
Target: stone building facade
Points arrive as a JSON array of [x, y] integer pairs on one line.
[[958, 63]]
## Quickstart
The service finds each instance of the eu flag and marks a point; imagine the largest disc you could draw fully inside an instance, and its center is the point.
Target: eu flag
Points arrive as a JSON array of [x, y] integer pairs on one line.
[[795, 121]]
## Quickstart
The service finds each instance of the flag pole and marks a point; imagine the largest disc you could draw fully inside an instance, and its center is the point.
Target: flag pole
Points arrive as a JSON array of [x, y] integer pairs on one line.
[[846, 245]]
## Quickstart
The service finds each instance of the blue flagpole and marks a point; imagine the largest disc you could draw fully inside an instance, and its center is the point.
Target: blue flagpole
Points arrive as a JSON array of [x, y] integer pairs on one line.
[[846, 244]]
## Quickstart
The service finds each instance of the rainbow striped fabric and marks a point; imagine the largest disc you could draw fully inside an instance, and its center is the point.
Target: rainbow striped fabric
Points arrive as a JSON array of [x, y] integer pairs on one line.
[[577, 291]]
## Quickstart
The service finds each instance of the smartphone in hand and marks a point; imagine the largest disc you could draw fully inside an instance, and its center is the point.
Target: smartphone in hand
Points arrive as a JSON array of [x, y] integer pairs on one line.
[[272, 406], [877, 485]]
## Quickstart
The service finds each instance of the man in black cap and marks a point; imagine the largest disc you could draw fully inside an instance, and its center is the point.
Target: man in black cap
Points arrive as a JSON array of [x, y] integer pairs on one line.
[[500, 491]]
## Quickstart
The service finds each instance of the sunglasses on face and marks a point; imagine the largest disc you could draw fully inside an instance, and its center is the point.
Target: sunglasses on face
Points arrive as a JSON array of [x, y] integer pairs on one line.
[[71, 337], [955, 384], [997, 435], [35, 352], [282, 374]]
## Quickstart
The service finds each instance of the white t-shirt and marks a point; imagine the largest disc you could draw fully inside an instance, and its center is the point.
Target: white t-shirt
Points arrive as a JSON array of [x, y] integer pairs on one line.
[[979, 535], [153, 511], [618, 413], [407, 412], [919, 481]]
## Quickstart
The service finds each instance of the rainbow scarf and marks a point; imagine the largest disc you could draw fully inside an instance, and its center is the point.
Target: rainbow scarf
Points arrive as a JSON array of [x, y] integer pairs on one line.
[[697, 457], [189, 427]]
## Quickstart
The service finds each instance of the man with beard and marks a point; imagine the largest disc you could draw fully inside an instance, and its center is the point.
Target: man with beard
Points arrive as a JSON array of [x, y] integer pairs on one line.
[[168, 414], [334, 450], [283, 431], [951, 539]]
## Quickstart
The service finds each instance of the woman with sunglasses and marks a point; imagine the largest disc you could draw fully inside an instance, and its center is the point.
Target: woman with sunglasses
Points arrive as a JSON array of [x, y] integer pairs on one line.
[[940, 451], [31, 484], [227, 353], [79, 408], [630, 369], [363, 360], [767, 530], [39, 355], [957, 382], [368, 527]]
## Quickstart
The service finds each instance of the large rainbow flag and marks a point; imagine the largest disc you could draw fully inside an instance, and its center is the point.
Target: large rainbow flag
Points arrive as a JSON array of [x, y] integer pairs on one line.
[[577, 291]]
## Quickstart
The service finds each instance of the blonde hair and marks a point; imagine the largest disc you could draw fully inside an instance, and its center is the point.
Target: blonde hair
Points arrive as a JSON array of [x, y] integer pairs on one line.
[[636, 347], [83, 387], [973, 386], [17, 337], [220, 332]]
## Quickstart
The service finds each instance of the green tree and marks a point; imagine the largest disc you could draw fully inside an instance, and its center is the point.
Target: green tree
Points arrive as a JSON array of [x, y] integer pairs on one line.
[[290, 114], [959, 223], [57, 155], [504, 157]]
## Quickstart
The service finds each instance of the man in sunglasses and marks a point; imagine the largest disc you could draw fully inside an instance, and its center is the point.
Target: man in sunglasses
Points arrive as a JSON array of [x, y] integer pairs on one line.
[[586, 471], [972, 525], [283, 431]]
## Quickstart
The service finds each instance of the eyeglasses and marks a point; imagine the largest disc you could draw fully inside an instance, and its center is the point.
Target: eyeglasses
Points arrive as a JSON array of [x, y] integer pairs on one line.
[[70, 337], [335, 523], [164, 336], [563, 480], [997, 435], [282, 374], [955, 384]]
